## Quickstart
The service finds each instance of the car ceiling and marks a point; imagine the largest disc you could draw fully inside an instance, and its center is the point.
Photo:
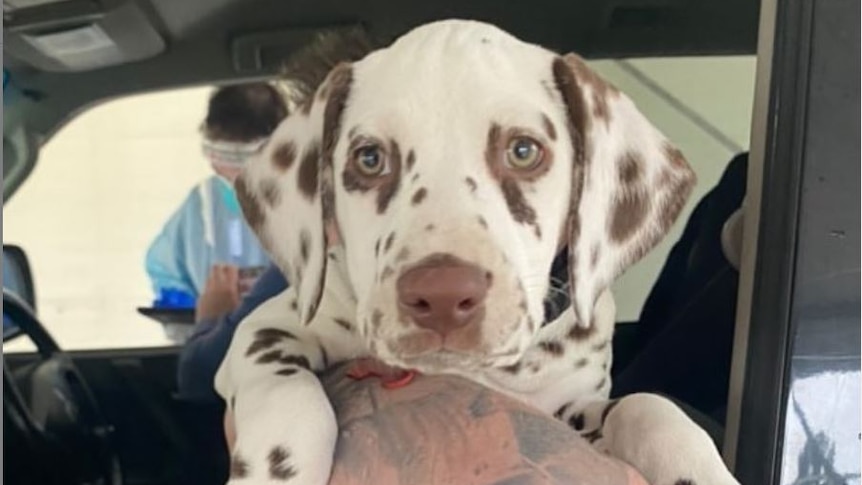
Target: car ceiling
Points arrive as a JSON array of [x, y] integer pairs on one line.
[[211, 41]]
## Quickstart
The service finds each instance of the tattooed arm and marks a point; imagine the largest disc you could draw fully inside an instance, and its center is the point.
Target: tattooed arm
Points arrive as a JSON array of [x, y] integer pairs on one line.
[[444, 429]]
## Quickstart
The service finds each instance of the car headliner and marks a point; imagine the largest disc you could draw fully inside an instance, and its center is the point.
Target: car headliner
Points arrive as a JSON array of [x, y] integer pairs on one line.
[[203, 39]]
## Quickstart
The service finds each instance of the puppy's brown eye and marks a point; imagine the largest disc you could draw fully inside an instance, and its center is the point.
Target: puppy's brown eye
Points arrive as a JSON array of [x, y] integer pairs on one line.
[[524, 153], [370, 160]]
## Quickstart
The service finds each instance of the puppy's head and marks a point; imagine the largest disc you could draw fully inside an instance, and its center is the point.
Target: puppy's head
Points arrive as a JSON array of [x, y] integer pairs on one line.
[[454, 165]]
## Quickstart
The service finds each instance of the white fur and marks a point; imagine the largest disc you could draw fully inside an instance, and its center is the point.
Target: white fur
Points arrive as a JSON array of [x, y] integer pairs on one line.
[[436, 91]]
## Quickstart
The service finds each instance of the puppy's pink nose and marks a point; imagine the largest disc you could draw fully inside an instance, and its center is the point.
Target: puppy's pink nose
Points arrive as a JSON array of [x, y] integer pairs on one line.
[[442, 293]]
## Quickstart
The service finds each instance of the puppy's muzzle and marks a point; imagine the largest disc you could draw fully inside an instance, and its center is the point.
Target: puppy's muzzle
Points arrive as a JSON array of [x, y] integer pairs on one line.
[[443, 293]]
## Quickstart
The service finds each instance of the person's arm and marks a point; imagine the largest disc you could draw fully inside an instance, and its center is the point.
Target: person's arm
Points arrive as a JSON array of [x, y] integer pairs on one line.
[[202, 354], [446, 429], [165, 257]]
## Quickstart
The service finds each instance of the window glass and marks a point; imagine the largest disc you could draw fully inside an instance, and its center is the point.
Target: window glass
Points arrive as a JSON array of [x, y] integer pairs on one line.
[[100, 192]]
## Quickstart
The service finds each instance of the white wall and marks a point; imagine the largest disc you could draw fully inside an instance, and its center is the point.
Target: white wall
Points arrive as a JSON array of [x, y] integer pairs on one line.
[[99, 194], [109, 179]]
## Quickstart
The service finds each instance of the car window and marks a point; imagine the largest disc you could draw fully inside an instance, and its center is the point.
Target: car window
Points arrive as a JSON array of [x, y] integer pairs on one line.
[[100, 192], [106, 183]]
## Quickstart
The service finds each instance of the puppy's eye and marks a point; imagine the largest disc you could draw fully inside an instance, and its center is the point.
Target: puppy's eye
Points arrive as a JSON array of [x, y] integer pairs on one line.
[[524, 153], [370, 160]]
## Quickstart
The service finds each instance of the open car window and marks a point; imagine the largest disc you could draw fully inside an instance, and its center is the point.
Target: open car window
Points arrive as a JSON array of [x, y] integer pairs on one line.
[[106, 183]]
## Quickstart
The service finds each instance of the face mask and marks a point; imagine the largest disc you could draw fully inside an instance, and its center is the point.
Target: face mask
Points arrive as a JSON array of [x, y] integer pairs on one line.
[[230, 155]]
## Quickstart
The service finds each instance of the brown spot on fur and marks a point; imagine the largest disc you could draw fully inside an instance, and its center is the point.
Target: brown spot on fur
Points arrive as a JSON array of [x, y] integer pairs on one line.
[[593, 435], [294, 305], [278, 467], [677, 191], [419, 196], [340, 80], [581, 363], [251, 207], [429, 227], [552, 347], [304, 245], [338, 84], [630, 168], [284, 156], [353, 182], [376, 318], [493, 146], [549, 127], [602, 91], [392, 182], [675, 157], [277, 356], [483, 222], [561, 411], [411, 160], [388, 244], [512, 369], [343, 324], [266, 338], [665, 179], [579, 333], [521, 211], [414, 178], [594, 256], [576, 421], [269, 192], [601, 383], [517, 204], [402, 255], [471, 183], [377, 247], [569, 86], [286, 372], [628, 215], [238, 466], [387, 273], [307, 179]]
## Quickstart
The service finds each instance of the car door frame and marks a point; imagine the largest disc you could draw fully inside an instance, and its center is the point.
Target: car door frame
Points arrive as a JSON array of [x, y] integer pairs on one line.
[[798, 308]]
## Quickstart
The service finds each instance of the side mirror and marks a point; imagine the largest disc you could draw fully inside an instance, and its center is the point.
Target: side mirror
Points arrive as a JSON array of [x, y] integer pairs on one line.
[[17, 277]]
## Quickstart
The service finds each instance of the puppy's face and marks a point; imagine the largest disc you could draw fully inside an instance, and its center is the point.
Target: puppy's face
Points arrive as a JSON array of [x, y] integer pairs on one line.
[[452, 180], [455, 164]]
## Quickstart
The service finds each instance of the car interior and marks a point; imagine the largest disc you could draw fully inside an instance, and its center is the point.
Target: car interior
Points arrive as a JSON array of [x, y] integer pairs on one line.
[[112, 416]]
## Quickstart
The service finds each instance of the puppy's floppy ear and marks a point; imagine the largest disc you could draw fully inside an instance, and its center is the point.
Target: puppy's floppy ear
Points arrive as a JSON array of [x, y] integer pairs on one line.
[[285, 191], [628, 183]]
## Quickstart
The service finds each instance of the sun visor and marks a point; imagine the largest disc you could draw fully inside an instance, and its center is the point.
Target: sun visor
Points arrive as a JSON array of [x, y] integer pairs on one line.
[[79, 36]]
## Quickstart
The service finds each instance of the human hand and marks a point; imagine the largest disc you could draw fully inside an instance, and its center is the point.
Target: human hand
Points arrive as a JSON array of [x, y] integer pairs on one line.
[[445, 429], [221, 293]]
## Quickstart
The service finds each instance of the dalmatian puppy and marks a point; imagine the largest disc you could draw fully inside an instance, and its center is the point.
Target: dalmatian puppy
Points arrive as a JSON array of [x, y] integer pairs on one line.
[[416, 203]]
